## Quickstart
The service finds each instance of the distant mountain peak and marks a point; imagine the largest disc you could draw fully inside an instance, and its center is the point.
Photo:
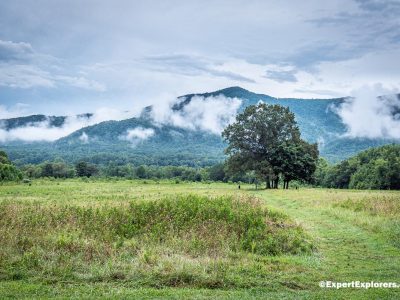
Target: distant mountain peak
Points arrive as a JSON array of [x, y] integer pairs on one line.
[[233, 89], [229, 92]]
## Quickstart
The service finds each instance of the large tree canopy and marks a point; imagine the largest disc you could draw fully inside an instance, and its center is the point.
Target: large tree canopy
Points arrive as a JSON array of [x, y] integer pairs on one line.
[[8, 172], [266, 139]]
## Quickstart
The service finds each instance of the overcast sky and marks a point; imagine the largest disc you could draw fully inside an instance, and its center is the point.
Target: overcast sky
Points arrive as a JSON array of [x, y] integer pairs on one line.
[[64, 57]]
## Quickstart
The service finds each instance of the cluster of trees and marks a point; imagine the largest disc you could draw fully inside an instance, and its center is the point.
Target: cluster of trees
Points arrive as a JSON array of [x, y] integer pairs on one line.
[[60, 169], [265, 140], [376, 168], [8, 172], [155, 172], [101, 155]]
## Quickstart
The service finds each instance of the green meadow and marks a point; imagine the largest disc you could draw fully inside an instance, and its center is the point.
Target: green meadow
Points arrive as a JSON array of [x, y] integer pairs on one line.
[[167, 240]]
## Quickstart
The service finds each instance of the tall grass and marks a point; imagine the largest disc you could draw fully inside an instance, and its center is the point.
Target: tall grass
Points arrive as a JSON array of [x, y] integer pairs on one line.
[[187, 240], [381, 205], [384, 207]]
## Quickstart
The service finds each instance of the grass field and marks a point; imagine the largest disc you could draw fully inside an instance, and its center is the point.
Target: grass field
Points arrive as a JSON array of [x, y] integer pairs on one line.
[[147, 239]]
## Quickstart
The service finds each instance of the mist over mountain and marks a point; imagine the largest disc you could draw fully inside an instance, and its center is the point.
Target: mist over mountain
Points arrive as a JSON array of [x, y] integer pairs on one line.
[[37, 120], [186, 132]]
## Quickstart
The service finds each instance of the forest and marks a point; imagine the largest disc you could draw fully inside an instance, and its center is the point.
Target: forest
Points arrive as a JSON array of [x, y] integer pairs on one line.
[[375, 168]]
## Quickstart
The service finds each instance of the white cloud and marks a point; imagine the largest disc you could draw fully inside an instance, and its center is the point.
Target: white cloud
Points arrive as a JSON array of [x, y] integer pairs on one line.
[[203, 113], [22, 67], [29, 76], [16, 110], [137, 135], [210, 114], [24, 76], [81, 82], [84, 138], [15, 51], [367, 115], [43, 131]]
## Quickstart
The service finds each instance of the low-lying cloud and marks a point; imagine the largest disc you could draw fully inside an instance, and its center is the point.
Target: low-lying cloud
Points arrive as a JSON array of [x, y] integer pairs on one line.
[[84, 138], [210, 114], [44, 131], [371, 112], [137, 135]]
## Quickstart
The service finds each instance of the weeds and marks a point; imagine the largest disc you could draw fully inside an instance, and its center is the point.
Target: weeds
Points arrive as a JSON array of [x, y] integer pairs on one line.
[[186, 240]]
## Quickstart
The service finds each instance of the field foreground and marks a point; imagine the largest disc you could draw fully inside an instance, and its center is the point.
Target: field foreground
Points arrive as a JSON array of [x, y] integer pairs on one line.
[[139, 239]]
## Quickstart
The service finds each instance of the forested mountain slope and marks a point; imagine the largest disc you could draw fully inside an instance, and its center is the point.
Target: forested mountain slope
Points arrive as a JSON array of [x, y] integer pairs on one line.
[[184, 137]]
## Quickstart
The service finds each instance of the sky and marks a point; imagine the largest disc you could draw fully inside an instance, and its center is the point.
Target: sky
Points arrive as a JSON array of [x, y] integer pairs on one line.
[[66, 57]]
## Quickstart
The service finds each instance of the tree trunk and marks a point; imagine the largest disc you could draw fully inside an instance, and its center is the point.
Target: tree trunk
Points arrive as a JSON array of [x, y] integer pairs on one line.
[[287, 184], [276, 182], [268, 184]]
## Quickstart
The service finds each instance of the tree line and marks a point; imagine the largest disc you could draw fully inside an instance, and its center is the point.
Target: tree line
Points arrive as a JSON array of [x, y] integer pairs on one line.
[[375, 168], [61, 169]]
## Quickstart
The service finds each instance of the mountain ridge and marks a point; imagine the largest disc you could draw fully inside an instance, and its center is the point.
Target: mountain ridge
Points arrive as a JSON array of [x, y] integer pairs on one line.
[[167, 141]]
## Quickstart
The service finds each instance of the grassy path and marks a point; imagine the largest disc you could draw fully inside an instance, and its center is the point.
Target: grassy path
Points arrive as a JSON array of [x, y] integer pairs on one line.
[[346, 250]]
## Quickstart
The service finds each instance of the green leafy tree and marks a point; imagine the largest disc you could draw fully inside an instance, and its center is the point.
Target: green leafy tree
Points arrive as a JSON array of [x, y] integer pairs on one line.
[[296, 161], [216, 172], [4, 158], [8, 172], [47, 170], [32, 171], [376, 168], [266, 139], [84, 169], [321, 171], [141, 172], [62, 170]]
